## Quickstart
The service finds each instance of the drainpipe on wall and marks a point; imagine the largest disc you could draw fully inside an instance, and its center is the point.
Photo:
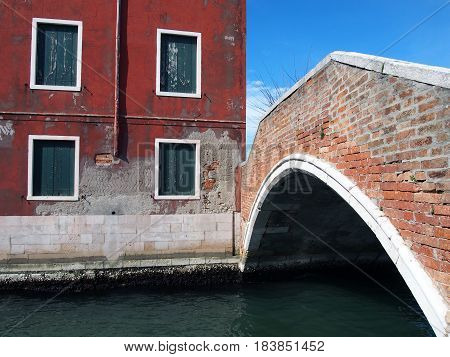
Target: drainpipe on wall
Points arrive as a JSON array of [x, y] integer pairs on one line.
[[116, 129]]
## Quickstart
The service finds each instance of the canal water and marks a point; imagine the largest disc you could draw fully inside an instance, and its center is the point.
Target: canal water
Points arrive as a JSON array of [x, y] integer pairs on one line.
[[307, 304]]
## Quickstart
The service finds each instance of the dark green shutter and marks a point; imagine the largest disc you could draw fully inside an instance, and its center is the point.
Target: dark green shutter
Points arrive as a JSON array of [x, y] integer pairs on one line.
[[178, 64], [167, 169], [64, 164], [53, 168], [186, 169], [56, 55], [43, 174], [177, 169]]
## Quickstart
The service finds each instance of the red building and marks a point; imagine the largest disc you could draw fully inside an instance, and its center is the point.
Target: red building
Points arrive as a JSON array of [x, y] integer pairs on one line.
[[120, 108]]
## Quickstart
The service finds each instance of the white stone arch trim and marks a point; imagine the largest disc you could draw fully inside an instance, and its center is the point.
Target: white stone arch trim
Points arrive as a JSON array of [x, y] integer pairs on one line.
[[418, 281]]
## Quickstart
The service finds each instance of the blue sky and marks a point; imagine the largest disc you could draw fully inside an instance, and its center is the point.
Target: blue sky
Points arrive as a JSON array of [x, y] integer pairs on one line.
[[292, 36]]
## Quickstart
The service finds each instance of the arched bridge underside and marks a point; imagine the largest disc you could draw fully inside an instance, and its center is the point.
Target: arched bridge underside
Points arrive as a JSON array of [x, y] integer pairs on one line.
[[351, 167], [304, 214]]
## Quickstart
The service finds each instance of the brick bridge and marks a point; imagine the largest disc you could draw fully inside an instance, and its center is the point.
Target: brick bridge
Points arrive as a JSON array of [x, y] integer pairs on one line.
[[351, 164]]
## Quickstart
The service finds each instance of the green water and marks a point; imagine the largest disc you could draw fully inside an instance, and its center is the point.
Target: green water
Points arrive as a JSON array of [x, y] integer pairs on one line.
[[342, 304]]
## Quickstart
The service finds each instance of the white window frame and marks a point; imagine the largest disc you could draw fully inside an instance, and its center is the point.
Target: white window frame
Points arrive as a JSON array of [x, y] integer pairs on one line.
[[31, 139], [198, 36], [36, 22], [196, 196]]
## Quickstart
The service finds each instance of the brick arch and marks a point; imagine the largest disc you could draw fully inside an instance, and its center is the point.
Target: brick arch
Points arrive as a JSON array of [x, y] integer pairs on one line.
[[413, 273], [384, 125]]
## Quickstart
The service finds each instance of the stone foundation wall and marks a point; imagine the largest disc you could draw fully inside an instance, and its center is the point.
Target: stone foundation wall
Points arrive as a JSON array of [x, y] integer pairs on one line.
[[30, 239]]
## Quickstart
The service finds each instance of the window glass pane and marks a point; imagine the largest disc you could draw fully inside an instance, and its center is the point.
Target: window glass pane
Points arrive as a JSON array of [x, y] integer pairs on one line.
[[176, 169], [53, 168], [56, 55], [178, 64]]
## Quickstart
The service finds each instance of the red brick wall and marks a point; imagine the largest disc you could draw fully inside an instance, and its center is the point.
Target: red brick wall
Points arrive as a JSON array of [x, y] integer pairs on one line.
[[389, 135]]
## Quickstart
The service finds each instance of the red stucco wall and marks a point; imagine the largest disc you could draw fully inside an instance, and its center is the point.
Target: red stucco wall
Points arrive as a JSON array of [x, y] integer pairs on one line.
[[89, 113], [223, 68]]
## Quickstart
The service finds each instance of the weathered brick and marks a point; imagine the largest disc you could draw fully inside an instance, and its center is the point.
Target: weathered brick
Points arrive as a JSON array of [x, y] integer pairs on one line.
[[424, 218], [423, 249], [427, 197], [441, 277], [426, 106], [427, 187], [419, 176], [392, 109], [397, 195], [399, 214], [430, 262], [420, 238], [438, 174], [389, 177], [421, 142], [408, 187], [442, 210], [435, 163], [444, 244], [440, 232], [444, 221], [389, 186]]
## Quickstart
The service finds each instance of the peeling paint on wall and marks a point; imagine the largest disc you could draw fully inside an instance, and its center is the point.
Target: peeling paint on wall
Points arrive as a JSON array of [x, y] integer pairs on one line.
[[233, 105], [129, 189], [230, 39]]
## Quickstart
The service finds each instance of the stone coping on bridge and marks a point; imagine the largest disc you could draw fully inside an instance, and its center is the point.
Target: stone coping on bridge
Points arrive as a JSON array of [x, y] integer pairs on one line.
[[437, 76]]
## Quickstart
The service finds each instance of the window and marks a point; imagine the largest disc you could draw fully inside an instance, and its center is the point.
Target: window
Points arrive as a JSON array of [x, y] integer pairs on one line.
[[177, 169], [53, 168], [178, 64], [56, 55]]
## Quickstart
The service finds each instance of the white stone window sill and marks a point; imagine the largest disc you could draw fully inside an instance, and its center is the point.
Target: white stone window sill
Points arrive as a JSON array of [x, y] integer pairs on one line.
[[58, 88], [178, 95], [160, 197], [52, 198]]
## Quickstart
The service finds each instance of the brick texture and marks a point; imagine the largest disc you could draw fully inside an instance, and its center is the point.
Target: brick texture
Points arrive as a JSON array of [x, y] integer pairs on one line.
[[388, 135]]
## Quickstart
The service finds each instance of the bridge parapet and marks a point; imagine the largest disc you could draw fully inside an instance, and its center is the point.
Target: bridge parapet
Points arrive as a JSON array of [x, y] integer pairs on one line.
[[384, 125]]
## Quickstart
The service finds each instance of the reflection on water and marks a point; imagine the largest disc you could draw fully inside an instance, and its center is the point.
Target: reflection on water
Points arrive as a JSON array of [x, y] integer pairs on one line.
[[305, 305]]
